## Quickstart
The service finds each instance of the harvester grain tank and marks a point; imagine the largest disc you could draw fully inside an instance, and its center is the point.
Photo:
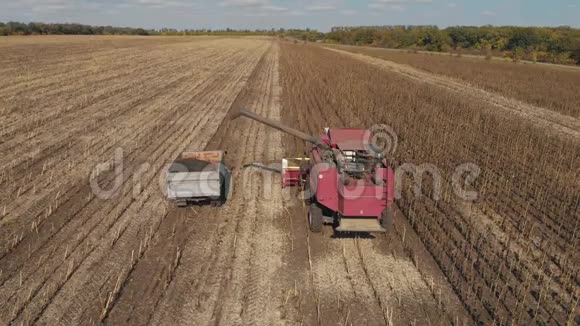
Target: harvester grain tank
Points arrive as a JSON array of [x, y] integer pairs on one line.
[[348, 182]]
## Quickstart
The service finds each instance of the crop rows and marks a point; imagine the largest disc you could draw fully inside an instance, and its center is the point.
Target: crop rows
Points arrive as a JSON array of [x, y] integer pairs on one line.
[[75, 118], [552, 88], [406, 286], [511, 255], [72, 230]]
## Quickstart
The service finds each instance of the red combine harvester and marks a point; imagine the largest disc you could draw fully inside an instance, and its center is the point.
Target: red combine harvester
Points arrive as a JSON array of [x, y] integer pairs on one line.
[[346, 180]]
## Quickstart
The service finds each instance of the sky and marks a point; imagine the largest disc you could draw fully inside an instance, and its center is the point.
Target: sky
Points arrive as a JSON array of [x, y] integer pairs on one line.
[[317, 14]]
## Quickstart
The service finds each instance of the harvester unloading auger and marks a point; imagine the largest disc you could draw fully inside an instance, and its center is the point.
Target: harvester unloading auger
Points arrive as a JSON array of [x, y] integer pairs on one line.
[[347, 181]]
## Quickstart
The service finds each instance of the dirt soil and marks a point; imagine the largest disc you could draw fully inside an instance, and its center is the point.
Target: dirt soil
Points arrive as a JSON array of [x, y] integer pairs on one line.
[[88, 129]]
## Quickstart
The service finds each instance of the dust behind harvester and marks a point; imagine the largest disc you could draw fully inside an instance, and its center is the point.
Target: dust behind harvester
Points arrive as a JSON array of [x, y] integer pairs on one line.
[[347, 183]]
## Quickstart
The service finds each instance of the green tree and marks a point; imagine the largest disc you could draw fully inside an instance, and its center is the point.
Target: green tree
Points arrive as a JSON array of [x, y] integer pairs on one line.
[[523, 38], [363, 37], [433, 39]]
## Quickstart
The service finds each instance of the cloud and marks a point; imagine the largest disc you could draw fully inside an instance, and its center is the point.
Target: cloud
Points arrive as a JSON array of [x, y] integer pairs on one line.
[[124, 5], [255, 8], [296, 13], [320, 7], [160, 4], [348, 12], [112, 12], [451, 5], [384, 6], [243, 3], [376, 5], [83, 11], [39, 6], [395, 5], [274, 8], [403, 1], [51, 8], [488, 13], [256, 14]]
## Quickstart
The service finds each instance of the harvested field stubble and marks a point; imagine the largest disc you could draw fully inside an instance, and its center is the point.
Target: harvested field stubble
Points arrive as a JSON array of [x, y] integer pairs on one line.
[[68, 256]]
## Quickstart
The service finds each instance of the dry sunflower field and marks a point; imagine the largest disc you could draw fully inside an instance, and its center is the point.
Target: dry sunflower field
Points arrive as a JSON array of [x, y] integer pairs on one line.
[[69, 104]]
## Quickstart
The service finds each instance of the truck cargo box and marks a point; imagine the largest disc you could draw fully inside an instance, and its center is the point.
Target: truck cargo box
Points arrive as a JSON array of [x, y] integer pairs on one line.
[[197, 177]]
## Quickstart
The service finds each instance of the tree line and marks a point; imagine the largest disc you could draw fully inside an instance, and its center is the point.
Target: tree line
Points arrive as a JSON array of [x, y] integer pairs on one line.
[[16, 28], [547, 44], [544, 44]]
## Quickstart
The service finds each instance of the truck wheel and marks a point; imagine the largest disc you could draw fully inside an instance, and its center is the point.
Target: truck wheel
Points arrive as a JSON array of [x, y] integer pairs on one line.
[[315, 220], [387, 218], [216, 202]]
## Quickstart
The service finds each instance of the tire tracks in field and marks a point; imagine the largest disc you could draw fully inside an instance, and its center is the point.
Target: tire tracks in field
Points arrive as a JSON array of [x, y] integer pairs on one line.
[[340, 289], [258, 284], [358, 281], [185, 228], [232, 285], [72, 135], [82, 171], [144, 127], [216, 100], [132, 104], [157, 146], [192, 112]]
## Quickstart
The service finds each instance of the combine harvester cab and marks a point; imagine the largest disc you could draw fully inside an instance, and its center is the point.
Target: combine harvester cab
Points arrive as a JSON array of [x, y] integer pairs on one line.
[[198, 178], [347, 183], [355, 192]]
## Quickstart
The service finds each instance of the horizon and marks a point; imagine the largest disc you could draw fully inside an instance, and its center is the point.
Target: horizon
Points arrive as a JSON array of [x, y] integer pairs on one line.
[[278, 29], [276, 14]]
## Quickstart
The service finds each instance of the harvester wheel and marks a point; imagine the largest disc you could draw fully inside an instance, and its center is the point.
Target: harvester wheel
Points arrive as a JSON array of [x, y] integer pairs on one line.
[[387, 218], [315, 220]]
